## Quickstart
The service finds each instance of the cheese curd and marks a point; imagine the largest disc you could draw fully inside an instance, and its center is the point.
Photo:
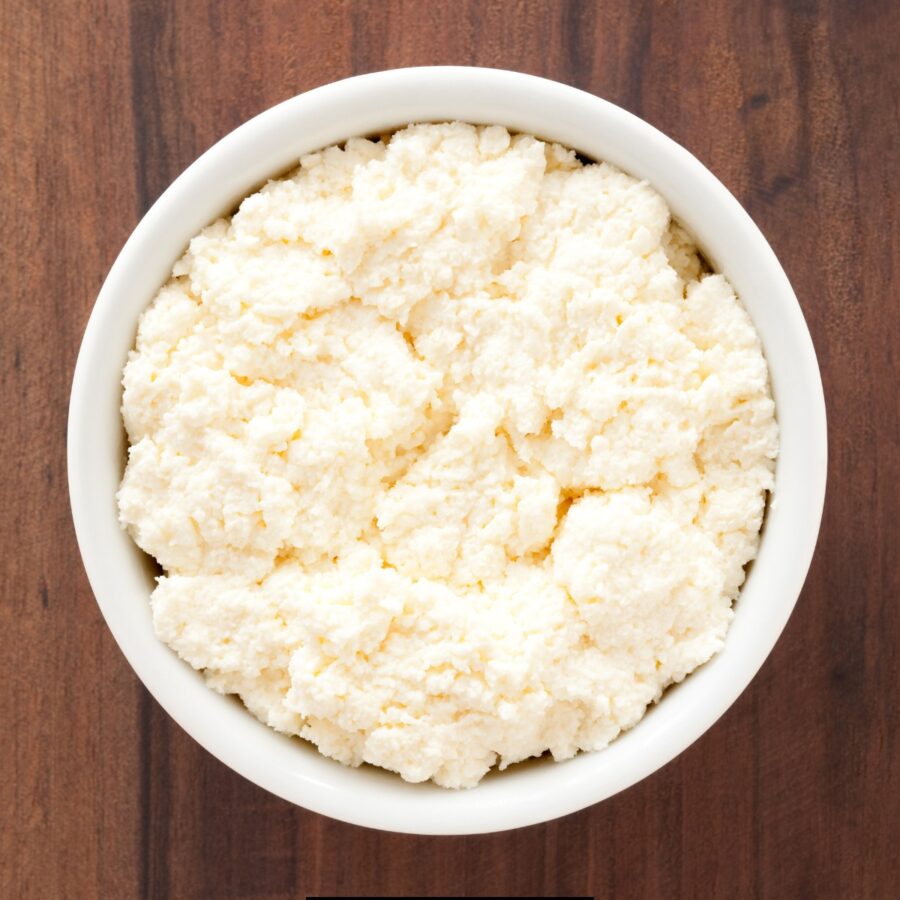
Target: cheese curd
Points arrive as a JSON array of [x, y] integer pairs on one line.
[[451, 449]]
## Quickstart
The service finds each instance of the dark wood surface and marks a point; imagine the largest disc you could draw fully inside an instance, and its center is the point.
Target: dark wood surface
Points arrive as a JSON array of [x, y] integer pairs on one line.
[[794, 105]]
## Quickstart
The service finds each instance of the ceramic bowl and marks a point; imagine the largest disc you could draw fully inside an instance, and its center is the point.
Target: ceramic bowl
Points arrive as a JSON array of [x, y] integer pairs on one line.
[[269, 144]]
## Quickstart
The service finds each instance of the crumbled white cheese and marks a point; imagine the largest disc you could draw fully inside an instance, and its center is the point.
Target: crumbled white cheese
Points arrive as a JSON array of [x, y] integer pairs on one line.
[[450, 450]]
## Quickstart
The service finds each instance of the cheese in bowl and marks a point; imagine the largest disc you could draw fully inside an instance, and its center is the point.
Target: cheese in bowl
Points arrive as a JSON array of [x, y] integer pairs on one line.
[[452, 451]]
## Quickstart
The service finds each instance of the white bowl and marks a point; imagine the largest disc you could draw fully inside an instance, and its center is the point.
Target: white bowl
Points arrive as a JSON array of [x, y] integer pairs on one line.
[[267, 145]]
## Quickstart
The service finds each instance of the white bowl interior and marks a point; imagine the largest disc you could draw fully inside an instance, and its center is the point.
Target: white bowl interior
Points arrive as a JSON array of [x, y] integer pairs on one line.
[[121, 576]]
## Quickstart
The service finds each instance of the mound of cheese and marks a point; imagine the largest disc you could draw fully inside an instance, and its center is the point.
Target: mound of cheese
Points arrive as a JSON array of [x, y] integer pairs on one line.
[[451, 450]]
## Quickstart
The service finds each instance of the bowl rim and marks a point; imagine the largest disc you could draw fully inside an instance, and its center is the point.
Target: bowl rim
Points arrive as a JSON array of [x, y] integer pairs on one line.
[[445, 91]]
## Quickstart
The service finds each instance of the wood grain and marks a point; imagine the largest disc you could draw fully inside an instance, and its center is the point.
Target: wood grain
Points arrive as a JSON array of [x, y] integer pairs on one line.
[[794, 105]]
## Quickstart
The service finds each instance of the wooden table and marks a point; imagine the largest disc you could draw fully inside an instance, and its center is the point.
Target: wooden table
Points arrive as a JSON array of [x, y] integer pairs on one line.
[[794, 105]]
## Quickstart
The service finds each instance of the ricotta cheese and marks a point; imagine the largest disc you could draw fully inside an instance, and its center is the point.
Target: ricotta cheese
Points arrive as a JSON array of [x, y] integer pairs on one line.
[[451, 449]]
